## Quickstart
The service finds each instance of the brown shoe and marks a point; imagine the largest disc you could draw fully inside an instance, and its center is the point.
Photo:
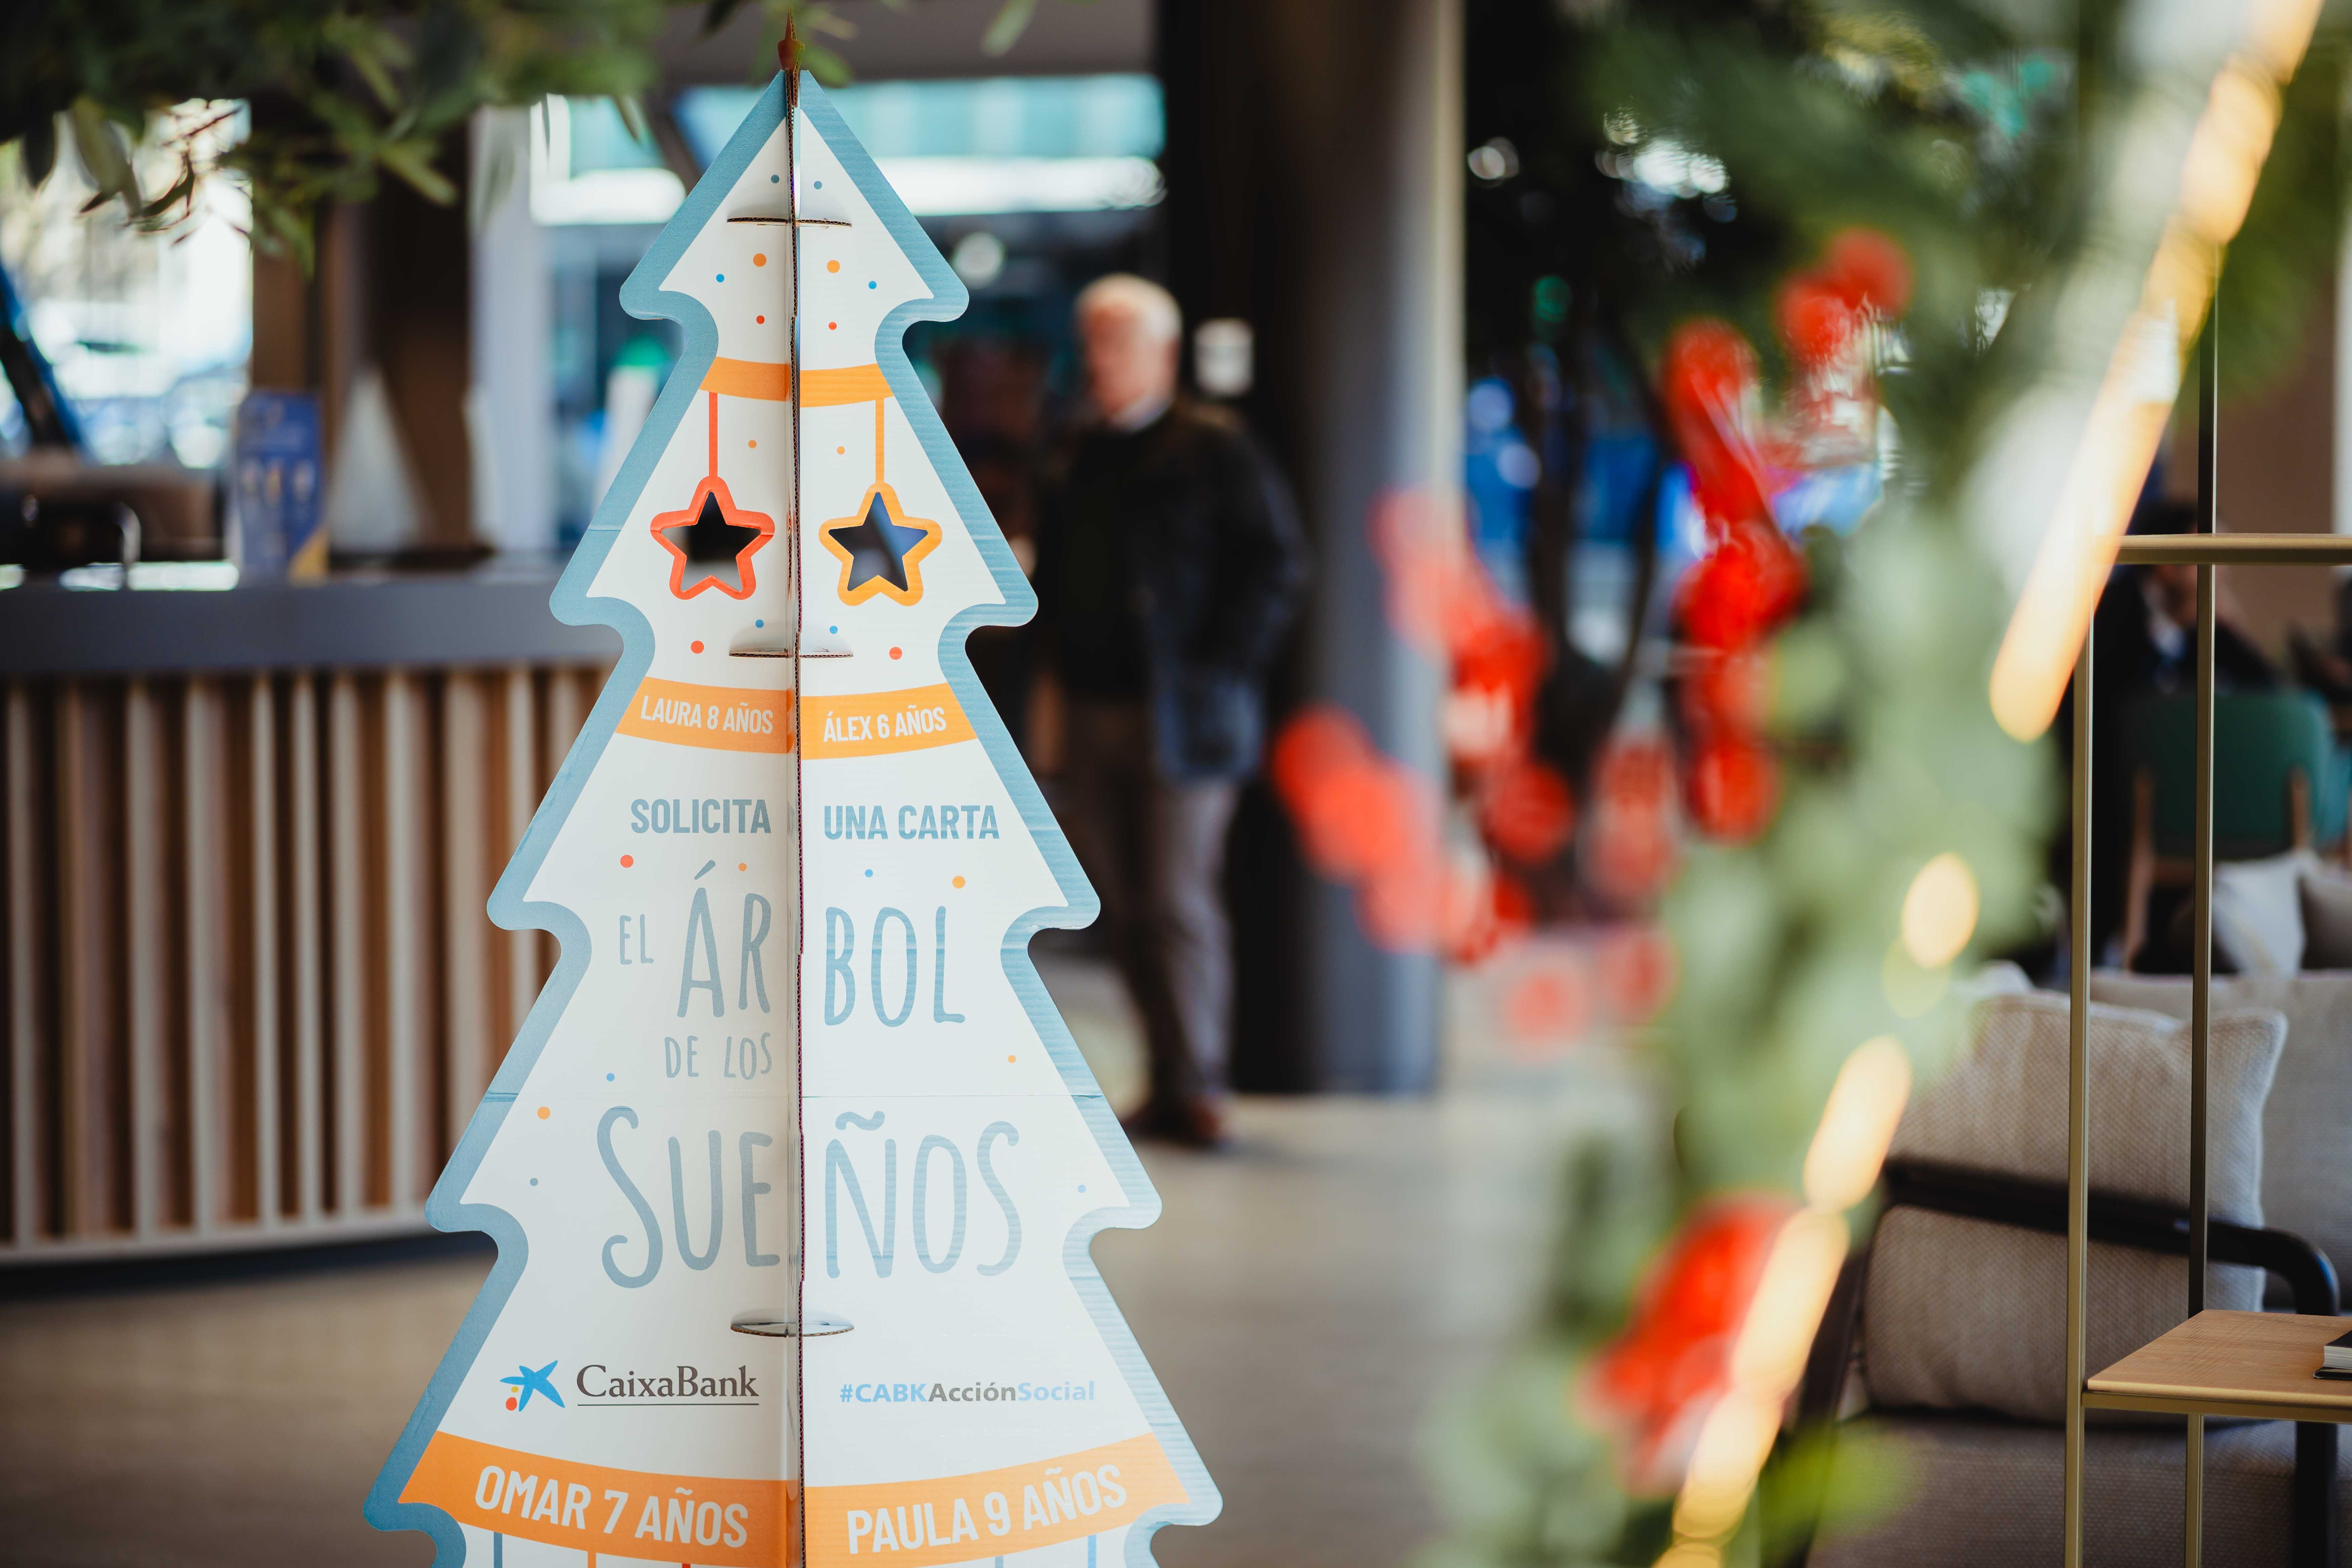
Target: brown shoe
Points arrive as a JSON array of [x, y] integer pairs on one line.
[[1193, 1122], [1199, 1123], [1150, 1121]]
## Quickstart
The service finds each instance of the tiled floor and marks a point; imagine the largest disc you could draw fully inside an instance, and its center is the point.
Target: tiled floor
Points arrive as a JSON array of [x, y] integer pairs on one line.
[[1304, 1299]]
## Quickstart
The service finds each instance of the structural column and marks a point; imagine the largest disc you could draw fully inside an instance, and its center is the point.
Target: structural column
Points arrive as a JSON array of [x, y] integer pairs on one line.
[[1315, 168], [510, 412]]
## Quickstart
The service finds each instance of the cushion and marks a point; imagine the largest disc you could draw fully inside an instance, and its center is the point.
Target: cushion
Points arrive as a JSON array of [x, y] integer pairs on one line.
[[2000, 978], [2258, 913], [2326, 899], [1980, 1490], [2307, 1122], [1968, 1314]]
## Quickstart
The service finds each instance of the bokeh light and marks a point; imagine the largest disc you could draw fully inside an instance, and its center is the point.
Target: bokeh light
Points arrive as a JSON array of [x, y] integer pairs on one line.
[[1858, 1124], [1940, 912]]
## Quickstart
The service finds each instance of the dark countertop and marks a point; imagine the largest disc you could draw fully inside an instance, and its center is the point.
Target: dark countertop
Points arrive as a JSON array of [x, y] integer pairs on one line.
[[496, 614]]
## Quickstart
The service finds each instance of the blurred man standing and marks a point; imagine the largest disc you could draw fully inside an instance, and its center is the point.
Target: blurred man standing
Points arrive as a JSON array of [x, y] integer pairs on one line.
[[1168, 564]]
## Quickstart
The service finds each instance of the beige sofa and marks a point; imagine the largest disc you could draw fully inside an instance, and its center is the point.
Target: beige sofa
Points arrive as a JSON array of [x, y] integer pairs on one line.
[[1956, 1346]]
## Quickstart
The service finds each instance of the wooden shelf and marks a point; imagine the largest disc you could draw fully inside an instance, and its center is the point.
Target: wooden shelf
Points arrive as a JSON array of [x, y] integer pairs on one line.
[[2230, 1364]]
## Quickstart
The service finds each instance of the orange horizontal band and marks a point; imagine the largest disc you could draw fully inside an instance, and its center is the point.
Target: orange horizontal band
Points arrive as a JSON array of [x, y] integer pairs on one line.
[[772, 383], [715, 718], [966, 1518], [750, 378], [851, 384], [875, 722], [711, 1521]]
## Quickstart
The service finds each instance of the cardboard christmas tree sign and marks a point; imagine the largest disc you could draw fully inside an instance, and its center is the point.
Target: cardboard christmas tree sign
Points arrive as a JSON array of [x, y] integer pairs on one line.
[[792, 1168]]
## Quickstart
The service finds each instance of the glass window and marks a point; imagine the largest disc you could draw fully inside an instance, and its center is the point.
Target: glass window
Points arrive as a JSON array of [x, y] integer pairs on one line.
[[586, 168], [998, 144], [149, 333]]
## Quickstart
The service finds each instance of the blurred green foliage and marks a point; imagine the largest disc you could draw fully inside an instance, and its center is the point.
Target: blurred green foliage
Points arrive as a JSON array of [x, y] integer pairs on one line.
[[1682, 158], [2282, 267], [343, 92]]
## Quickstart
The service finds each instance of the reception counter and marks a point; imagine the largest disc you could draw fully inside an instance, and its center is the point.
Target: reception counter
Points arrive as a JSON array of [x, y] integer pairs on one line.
[[494, 615], [247, 838]]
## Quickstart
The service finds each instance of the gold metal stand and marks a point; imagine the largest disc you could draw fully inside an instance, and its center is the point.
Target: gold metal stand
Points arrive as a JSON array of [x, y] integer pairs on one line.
[[2218, 1364]]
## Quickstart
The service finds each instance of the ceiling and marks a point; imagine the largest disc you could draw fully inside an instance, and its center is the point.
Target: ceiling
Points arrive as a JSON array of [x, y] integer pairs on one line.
[[928, 39]]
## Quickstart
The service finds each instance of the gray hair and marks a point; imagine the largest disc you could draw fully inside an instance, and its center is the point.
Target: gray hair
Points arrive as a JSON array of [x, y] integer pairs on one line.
[[1154, 307]]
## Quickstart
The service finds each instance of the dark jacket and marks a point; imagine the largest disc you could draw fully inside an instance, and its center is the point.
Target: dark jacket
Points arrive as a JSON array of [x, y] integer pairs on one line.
[[1169, 561]]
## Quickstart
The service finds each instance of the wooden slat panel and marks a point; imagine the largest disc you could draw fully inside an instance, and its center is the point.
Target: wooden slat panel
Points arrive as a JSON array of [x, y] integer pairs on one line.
[[236, 1133], [74, 1045], [82, 1144], [521, 800], [142, 810], [25, 951], [347, 891], [464, 967], [208, 985], [269, 975], [177, 1143], [411, 1075], [375, 954], [248, 972], [309, 991]]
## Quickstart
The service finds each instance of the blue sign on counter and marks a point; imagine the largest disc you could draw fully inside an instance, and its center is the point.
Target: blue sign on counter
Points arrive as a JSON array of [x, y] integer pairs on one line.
[[274, 502]]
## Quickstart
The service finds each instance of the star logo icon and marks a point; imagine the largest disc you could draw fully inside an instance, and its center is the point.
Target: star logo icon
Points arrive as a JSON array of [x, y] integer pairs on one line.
[[881, 548], [711, 541], [530, 1383]]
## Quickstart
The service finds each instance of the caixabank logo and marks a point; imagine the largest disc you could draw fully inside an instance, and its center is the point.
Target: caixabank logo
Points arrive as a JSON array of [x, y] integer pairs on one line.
[[599, 1387]]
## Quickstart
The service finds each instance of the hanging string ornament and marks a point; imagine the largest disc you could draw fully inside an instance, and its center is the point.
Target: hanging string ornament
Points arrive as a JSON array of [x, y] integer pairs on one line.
[[711, 539], [881, 548]]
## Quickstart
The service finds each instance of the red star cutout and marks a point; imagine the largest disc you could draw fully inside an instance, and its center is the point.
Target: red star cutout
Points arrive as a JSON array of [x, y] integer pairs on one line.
[[708, 529]]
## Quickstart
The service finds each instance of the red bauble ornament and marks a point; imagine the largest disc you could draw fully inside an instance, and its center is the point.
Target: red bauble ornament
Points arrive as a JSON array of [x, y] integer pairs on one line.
[[1816, 319], [1406, 902], [1707, 381], [1654, 1383], [1503, 650], [1741, 590], [1870, 269], [1515, 907], [1734, 784], [1729, 691], [1547, 1004], [1351, 807], [1635, 775], [1526, 810], [1362, 820], [1478, 911], [1317, 742], [1707, 364], [1631, 854]]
